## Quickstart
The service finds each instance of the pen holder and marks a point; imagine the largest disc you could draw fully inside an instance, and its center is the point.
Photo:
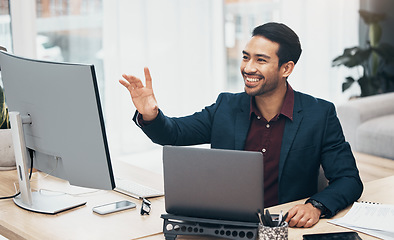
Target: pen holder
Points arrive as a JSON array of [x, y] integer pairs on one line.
[[273, 233]]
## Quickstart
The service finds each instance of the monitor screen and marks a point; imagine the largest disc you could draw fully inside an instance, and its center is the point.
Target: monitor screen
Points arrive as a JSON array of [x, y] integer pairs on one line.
[[66, 128]]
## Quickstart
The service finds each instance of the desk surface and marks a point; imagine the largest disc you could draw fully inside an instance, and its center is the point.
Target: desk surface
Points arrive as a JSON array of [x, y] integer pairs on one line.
[[82, 223], [381, 191]]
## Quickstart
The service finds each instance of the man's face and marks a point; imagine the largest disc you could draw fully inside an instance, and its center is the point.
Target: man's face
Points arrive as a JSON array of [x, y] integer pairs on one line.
[[259, 66]]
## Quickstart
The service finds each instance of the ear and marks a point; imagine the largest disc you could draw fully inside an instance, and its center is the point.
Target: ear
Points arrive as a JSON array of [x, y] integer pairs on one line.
[[287, 68]]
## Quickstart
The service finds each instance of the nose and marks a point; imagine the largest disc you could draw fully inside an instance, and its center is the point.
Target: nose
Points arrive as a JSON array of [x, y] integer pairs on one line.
[[250, 67]]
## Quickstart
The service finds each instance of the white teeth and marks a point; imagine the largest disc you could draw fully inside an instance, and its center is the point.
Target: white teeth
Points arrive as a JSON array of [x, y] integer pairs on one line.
[[252, 79]]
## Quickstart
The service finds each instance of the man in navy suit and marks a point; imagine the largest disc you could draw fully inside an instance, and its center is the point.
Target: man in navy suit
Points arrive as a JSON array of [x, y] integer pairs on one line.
[[295, 132]]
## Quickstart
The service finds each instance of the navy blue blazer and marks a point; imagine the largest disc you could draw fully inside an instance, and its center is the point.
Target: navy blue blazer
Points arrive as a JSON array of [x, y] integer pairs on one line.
[[312, 138]]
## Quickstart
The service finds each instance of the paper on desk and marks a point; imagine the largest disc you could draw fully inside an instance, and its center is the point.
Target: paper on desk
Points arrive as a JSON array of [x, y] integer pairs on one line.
[[373, 219]]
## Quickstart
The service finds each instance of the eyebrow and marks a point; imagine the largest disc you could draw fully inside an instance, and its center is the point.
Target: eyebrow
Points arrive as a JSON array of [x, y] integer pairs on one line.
[[257, 55]]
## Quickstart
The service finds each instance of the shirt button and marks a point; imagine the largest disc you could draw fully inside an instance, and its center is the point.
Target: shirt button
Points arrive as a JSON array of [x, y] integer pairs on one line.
[[268, 126], [258, 117], [263, 150]]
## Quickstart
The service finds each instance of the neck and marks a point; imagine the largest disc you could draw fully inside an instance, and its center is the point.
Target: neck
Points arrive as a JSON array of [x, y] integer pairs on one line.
[[270, 105]]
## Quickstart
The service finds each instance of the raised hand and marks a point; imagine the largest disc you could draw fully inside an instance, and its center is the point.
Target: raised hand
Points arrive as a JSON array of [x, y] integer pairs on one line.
[[142, 96]]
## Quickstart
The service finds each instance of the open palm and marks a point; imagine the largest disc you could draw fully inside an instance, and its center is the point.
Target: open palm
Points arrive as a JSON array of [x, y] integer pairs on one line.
[[142, 96]]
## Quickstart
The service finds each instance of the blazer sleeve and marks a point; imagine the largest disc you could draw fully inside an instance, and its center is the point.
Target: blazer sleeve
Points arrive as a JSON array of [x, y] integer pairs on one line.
[[183, 131], [339, 166]]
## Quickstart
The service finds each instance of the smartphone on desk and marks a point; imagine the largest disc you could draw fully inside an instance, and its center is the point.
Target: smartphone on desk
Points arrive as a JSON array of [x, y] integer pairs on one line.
[[331, 236], [114, 207]]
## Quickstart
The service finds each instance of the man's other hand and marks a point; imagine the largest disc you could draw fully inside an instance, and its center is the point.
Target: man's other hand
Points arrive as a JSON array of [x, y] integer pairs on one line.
[[303, 215]]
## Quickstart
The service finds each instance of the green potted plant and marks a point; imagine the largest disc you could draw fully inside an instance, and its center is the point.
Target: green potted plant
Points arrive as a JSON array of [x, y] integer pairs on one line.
[[7, 156], [375, 59], [4, 121]]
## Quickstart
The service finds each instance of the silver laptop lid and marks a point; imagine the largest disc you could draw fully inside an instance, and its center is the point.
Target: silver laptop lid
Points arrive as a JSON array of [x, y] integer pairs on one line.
[[213, 183]]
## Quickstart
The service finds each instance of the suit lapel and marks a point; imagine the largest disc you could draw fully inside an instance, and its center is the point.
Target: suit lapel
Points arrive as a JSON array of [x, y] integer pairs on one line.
[[242, 123], [291, 128]]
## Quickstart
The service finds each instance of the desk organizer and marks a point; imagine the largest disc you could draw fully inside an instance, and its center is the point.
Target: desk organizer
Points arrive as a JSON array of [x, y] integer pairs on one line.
[[180, 225]]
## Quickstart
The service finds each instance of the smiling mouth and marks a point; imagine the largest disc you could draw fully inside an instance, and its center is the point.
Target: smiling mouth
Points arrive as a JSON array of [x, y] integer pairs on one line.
[[252, 78], [249, 79]]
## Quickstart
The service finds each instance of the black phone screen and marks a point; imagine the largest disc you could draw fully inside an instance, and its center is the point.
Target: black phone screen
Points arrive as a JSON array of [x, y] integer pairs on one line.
[[332, 236]]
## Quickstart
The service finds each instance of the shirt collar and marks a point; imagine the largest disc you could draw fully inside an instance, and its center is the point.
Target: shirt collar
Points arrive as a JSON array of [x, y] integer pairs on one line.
[[287, 107]]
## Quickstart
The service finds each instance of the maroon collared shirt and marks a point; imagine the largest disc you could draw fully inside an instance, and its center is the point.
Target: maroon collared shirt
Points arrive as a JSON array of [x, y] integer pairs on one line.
[[266, 136]]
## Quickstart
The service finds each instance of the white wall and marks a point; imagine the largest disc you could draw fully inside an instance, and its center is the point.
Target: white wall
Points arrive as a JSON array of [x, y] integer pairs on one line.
[[325, 28], [182, 44]]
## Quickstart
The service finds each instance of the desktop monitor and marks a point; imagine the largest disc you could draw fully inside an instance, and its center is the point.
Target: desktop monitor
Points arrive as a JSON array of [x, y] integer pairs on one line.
[[55, 111]]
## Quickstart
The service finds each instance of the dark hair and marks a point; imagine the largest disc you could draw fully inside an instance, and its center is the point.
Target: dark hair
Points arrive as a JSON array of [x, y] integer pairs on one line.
[[289, 43]]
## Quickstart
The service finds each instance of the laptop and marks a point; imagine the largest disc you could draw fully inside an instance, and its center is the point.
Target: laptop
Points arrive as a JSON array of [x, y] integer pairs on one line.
[[213, 183]]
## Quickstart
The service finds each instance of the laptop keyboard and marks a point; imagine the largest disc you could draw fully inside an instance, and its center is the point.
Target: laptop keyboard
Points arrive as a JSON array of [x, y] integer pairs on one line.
[[135, 190]]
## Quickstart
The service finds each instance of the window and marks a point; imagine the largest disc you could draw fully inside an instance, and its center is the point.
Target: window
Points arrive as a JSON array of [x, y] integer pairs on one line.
[[5, 25], [71, 31], [242, 16]]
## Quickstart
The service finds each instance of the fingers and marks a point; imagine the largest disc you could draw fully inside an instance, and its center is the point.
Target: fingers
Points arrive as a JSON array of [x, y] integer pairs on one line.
[[134, 82], [124, 83], [309, 223], [302, 216], [305, 222], [148, 79], [291, 217]]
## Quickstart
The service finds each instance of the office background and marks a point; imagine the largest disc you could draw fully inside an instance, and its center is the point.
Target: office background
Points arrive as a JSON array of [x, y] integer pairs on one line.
[[192, 47]]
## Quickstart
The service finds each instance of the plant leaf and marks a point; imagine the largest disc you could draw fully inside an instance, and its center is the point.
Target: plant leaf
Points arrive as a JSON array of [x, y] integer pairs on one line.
[[352, 57], [349, 81], [369, 86], [385, 51], [375, 33], [3, 110]]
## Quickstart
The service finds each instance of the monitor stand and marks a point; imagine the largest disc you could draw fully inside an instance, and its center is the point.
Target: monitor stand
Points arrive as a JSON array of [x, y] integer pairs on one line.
[[34, 201], [180, 225]]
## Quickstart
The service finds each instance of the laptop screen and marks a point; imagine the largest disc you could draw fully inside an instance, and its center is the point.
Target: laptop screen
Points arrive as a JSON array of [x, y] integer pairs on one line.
[[213, 183]]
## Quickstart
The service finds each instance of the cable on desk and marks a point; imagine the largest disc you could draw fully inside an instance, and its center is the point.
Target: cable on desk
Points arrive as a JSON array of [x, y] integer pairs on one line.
[[31, 153], [2, 198]]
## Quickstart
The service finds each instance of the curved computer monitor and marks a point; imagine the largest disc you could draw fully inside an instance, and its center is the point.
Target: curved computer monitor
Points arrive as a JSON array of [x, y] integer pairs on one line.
[[59, 107]]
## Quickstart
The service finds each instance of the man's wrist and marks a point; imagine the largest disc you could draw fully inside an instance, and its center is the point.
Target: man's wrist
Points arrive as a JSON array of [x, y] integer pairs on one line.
[[148, 119], [318, 205], [140, 120]]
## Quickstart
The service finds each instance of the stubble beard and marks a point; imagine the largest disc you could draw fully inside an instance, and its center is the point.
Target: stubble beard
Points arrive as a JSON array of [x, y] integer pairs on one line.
[[260, 90]]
